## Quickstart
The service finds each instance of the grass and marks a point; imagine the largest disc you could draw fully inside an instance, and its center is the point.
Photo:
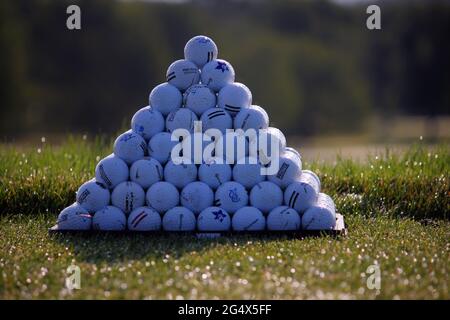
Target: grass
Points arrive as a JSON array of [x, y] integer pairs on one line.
[[396, 208]]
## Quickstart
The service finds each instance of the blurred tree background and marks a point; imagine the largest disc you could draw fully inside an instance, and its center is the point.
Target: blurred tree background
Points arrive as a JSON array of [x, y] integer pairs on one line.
[[313, 65]]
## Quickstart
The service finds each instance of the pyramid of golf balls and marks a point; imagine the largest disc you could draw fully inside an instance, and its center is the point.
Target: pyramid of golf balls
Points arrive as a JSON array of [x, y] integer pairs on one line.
[[140, 188]]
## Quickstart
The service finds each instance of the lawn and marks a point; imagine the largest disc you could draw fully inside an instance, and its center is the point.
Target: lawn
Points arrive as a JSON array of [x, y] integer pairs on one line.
[[396, 208]]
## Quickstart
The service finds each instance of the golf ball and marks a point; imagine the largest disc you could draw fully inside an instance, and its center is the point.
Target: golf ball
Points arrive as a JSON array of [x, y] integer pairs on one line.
[[183, 74], [253, 117], [165, 98], [179, 219], [248, 219], [181, 119], [130, 147], [197, 196], [283, 218], [144, 219], [247, 172], [320, 216], [128, 196], [289, 169], [315, 176], [146, 172], [302, 193], [197, 149], [266, 196], [214, 173], [199, 98], [216, 118], [93, 195], [213, 219], [231, 147], [270, 143], [180, 174], [162, 196], [74, 217], [160, 147], [147, 122], [234, 97], [216, 74], [111, 171], [231, 196], [109, 218], [200, 50]]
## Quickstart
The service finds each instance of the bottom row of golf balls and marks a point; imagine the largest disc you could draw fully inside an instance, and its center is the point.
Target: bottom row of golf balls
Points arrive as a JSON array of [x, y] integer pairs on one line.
[[112, 218]]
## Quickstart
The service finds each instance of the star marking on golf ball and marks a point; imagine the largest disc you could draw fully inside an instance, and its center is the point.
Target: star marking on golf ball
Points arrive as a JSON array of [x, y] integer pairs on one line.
[[222, 66], [219, 215]]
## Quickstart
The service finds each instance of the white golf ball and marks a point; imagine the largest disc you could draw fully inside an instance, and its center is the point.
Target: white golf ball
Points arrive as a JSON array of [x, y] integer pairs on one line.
[[214, 173], [216, 74], [162, 196], [197, 196], [74, 217], [248, 219], [216, 118], [294, 151], [93, 195], [247, 172], [179, 219], [234, 97], [160, 147], [253, 117], [302, 193], [231, 196], [265, 196], [213, 219], [231, 147], [270, 143], [283, 219], [321, 216], [146, 172], [165, 98], [180, 174], [289, 169], [111, 171], [130, 147], [147, 122], [144, 219], [200, 50], [128, 196], [183, 74], [199, 98], [181, 119], [315, 176], [109, 218]]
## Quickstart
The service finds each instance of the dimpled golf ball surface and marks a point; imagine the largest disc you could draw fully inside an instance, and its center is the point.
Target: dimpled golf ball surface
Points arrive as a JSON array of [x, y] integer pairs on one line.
[[253, 117], [179, 219], [147, 122], [265, 196], [248, 219], [93, 195], [162, 196], [199, 98], [283, 218], [289, 169], [213, 219], [214, 173], [180, 174], [200, 50], [160, 147], [217, 74], [74, 217], [130, 147], [165, 98], [320, 216], [144, 219], [109, 218], [234, 97], [197, 196], [247, 172], [146, 172], [216, 118], [231, 196], [111, 171], [128, 196], [182, 74], [302, 194], [181, 119]]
